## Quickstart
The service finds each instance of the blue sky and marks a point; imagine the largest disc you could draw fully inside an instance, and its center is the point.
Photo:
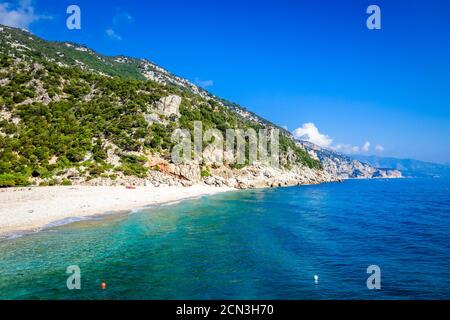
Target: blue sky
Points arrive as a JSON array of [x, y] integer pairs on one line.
[[293, 62]]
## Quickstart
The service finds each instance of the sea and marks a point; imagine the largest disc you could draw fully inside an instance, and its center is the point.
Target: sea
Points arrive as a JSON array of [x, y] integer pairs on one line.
[[360, 239]]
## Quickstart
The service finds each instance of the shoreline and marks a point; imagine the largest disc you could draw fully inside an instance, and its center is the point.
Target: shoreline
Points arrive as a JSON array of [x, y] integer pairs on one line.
[[24, 210]]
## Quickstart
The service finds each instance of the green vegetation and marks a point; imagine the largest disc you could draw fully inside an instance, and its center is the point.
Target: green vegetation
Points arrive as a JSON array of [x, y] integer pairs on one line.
[[205, 173], [66, 182], [72, 128], [133, 166], [12, 180], [301, 155]]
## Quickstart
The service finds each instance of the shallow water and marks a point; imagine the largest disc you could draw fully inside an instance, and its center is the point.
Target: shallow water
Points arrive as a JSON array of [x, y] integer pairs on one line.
[[253, 244]]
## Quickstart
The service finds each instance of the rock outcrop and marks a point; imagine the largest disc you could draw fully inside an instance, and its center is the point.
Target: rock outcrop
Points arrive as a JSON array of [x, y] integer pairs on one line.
[[344, 167], [169, 105], [262, 176]]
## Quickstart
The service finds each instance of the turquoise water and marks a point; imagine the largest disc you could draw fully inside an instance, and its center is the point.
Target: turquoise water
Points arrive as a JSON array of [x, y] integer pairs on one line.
[[253, 244]]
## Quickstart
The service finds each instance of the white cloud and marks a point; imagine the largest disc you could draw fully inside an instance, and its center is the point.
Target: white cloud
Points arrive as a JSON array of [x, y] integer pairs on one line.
[[350, 149], [19, 16], [204, 83], [366, 147], [113, 35], [122, 16], [347, 148], [310, 132]]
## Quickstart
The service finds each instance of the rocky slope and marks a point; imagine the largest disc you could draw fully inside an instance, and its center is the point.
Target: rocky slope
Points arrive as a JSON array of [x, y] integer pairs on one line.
[[344, 167], [71, 116]]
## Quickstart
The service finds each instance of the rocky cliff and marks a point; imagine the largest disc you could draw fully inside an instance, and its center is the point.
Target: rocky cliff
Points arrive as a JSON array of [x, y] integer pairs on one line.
[[344, 167]]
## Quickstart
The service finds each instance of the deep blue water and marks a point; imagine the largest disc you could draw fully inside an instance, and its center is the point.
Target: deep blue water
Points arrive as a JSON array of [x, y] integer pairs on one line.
[[253, 244]]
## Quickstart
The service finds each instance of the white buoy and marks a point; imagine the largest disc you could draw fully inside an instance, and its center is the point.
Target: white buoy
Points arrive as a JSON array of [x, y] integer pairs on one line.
[[316, 279]]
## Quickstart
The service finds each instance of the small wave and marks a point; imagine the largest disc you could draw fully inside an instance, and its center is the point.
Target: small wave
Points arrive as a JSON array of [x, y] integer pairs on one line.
[[170, 203], [47, 227], [65, 221], [12, 236], [164, 204]]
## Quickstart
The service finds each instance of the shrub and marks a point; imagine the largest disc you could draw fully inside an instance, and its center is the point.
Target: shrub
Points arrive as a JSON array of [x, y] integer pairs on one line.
[[205, 173], [66, 182], [133, 166], [13, 180]]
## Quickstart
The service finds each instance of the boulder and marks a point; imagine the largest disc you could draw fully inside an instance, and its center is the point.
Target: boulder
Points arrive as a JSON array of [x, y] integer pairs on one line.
[[169, 105]]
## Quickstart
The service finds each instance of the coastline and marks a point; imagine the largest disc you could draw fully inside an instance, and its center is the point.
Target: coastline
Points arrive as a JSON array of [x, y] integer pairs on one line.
[[31, 209]]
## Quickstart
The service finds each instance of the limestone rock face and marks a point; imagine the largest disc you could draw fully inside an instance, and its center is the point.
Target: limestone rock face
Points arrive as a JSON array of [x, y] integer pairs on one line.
[[345, 167], [212, 155], [183, 172], [189, 171], [169, 105], [262, 176], [387, 173], [151, 118]]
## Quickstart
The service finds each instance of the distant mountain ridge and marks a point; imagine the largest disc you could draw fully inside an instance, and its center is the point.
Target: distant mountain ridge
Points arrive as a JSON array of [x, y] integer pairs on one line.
[[410, 167]]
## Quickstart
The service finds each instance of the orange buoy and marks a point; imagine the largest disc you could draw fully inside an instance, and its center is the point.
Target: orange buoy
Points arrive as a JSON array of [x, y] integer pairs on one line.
[[103, 285]]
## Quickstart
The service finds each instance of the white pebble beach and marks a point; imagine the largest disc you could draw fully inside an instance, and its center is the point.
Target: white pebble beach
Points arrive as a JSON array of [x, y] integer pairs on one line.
[[29, 209]]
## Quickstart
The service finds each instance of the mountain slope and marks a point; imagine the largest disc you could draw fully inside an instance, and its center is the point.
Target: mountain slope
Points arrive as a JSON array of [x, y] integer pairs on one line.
[[19, 42], [69, 115]]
